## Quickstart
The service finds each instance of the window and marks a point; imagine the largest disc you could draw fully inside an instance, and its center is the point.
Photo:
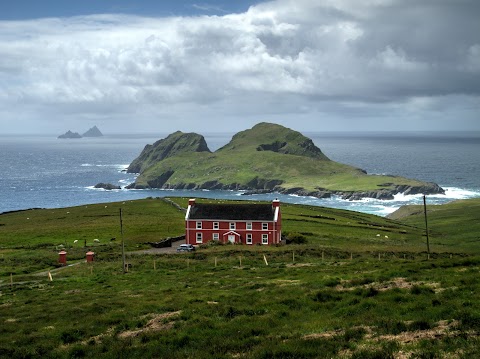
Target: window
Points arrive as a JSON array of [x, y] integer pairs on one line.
[[199, 225], [215, 237], [249, 238], [249, 226], [265, 226], [216, 225], [199, 238], [232, 225], [264, 238]]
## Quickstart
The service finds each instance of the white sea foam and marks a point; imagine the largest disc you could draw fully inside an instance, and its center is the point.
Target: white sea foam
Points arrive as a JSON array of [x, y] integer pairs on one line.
[[120, 167], [459, 193]]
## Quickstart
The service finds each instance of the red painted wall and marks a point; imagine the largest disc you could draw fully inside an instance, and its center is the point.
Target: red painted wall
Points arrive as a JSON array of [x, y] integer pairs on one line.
[[240, 228]]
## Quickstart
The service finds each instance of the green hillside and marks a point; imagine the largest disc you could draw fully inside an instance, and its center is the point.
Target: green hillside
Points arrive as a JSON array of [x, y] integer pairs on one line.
[[266, 157], [453, 225], [361, 287]]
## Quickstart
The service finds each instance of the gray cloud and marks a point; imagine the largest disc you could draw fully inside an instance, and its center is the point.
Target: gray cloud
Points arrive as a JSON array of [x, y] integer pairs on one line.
[[390, 64]]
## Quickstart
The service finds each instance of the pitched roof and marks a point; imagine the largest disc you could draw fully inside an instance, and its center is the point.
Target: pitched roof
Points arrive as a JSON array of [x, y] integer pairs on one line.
[[232, 212]]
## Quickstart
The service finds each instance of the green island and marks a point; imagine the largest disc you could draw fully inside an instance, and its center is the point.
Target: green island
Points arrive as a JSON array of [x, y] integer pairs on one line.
[[265, 158], [349, 285]]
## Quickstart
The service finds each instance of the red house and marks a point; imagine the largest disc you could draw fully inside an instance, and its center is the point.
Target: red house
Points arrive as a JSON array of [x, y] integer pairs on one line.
[[235, 223]]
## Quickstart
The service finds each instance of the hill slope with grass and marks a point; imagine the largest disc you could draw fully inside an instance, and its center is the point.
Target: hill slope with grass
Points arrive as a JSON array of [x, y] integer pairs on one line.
[[265, 158], [453, 224], [361, 287]]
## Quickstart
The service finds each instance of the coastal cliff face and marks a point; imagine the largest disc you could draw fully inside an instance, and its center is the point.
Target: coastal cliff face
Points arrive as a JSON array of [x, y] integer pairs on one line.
[[265, 158], [175, 144]]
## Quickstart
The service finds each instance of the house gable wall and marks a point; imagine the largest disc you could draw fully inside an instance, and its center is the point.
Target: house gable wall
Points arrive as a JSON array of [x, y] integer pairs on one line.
[[259, 228]]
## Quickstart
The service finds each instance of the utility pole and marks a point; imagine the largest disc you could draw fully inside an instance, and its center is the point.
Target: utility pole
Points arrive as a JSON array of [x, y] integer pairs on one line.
[[123, 242], [426, 224]]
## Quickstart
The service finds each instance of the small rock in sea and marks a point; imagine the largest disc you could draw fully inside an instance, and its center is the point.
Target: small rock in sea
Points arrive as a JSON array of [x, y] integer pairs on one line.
[[107, 186]]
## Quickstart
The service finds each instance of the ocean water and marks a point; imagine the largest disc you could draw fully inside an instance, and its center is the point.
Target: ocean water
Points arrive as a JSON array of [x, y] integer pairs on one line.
[[45, 172]]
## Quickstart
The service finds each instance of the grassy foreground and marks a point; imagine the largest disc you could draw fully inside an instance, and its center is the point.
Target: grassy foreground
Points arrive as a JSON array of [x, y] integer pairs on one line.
[[350, 292]]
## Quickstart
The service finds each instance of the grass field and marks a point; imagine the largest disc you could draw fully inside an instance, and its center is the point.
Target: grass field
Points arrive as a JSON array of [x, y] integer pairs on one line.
[[349, 292]]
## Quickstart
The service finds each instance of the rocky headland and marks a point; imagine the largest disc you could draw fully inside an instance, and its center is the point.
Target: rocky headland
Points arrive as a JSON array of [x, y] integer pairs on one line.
[[266, 158]]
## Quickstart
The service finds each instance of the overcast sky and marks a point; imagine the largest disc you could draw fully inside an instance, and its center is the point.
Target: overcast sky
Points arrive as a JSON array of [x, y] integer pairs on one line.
[[224, 65]]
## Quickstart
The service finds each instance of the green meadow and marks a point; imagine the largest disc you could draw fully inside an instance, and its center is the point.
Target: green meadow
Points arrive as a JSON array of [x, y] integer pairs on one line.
[[352, 286]]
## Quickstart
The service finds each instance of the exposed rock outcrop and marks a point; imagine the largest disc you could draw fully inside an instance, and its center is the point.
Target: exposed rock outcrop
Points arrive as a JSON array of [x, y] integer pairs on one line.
[[174, 144], [107, 186]]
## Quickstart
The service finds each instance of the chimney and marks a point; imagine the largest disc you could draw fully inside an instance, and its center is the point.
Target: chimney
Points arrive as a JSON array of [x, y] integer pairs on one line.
[[275, 203], [191, 202]]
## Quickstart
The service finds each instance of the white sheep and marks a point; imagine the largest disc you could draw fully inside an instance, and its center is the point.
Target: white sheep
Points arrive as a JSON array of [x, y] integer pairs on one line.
[[386, 237], [96, 240], [75, 241]]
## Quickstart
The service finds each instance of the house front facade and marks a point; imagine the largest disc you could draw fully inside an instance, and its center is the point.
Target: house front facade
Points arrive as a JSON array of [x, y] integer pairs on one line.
[[248, 224]]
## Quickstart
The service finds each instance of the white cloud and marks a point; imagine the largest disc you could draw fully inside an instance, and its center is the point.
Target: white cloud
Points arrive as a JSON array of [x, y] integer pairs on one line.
[[397, 60], [297, 56]]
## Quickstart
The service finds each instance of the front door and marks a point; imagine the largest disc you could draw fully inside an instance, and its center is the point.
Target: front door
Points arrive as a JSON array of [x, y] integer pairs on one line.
[[231, 238]]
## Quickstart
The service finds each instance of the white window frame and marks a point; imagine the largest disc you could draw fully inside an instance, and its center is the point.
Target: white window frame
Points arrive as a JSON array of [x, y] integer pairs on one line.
[[232, 226], [264, 226], [249, 226], [199, 237], [264, 238], [198, 225], [249, 238], [215, 236], [216, 225]]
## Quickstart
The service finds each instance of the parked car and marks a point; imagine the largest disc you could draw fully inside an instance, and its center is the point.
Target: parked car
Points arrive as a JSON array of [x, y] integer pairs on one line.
[[186, 248]]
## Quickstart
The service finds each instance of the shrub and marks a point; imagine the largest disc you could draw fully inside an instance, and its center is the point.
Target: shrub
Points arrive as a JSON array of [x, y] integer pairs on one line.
[[325, 296], [71, 336], [296, 238], [354, 334], [421, 289], [419, 325], [332, 282], [392, 327], [469, 321]]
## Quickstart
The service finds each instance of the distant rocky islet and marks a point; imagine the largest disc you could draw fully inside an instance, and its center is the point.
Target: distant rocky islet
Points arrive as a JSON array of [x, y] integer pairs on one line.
[[92, 132]]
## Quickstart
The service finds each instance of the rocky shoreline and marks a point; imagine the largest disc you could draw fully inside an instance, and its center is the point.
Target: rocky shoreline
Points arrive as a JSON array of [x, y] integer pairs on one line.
[[274, 186]]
